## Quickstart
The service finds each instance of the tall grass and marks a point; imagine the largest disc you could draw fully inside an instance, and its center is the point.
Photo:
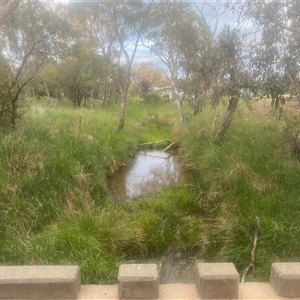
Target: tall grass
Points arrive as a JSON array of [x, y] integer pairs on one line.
[[54, 207], [170, 221], [252, 174]]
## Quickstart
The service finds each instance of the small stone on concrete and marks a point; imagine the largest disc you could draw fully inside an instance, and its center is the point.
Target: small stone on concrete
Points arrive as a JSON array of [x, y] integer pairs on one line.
[[217, 281], [138, 281], [285, 279]]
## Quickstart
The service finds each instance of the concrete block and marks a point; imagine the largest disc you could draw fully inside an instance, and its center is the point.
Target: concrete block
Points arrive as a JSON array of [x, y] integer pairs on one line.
[[217, 281], [138, 281], [285, 279], [39, 282]]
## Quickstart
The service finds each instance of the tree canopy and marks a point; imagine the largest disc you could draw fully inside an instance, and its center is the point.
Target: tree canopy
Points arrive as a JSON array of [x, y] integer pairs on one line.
[[87, 50]]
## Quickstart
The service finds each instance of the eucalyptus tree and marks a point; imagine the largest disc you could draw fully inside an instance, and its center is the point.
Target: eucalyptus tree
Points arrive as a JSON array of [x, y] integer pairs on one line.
[[27, 41], [94, 25], [77, 74], [230, 76], [172, 29], [127, 20], [275, 57], [201, 64], [268, 71]]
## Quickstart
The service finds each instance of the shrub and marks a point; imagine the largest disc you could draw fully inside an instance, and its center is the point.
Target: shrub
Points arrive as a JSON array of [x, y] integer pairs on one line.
[[152, 98]]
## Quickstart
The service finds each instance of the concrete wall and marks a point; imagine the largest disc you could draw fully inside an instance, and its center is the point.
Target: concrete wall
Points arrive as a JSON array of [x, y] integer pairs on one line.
[[141, 281]]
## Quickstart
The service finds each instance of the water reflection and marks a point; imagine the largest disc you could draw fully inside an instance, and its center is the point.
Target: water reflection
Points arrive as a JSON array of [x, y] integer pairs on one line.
[[151, 171]]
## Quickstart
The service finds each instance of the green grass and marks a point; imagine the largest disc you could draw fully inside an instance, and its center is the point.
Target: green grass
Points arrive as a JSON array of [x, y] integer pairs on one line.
[[170, 220], [54, 207], [252, 174]]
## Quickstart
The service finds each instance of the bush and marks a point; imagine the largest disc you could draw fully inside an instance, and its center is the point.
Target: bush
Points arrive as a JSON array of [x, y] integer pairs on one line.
[[152, 98]]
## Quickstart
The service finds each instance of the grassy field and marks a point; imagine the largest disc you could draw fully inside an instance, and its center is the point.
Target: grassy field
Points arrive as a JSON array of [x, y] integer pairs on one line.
[[54, 207]]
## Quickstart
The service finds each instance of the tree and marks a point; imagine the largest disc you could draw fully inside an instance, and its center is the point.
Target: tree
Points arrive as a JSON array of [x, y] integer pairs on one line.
[[127, 19], [77, 74], [28, 42], [94, 25], [230, 57], [277, 43], [148, 71], [5, 81], [147, 76], [112, 76], [171, 27], [269, 74], [201, 63]]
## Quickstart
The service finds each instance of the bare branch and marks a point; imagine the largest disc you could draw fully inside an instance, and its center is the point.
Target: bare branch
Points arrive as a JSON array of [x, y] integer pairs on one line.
[[280, 24], [20, 88], [26, 58], [217, 12], [253, 252]]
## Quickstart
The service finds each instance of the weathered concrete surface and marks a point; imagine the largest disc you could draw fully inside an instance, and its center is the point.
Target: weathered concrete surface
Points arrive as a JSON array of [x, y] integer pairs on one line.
[[178, 291], [257, 290], [166, 291], [138, 281], [247, 291], [63, 282], [100, 292], [39, 282], [285, 279], [217, 281]]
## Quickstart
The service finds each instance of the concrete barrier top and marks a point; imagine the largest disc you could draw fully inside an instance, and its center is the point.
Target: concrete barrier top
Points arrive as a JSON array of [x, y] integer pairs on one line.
[[140, 281], [30, 274], [39, 282]]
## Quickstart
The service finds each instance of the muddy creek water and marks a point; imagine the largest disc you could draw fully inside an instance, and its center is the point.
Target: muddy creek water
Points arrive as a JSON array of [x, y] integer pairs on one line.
[[150, 172]]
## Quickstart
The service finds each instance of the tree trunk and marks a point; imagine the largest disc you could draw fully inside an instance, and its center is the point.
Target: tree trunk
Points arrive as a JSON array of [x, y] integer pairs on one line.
[[233, 103], [13, 116], [179, 105], [213, 125], [47, 91], [175, 92], [176, 95], [105, 91], [273, 101], [92, 94], [122, 108]]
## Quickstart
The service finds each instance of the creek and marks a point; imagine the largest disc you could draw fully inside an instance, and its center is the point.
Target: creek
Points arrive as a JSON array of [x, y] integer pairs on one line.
[[150, 172]]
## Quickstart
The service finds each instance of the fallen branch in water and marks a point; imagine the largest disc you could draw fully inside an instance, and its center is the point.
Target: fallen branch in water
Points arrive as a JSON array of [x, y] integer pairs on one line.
[[253, 252], [171, 144], [156, 143]]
